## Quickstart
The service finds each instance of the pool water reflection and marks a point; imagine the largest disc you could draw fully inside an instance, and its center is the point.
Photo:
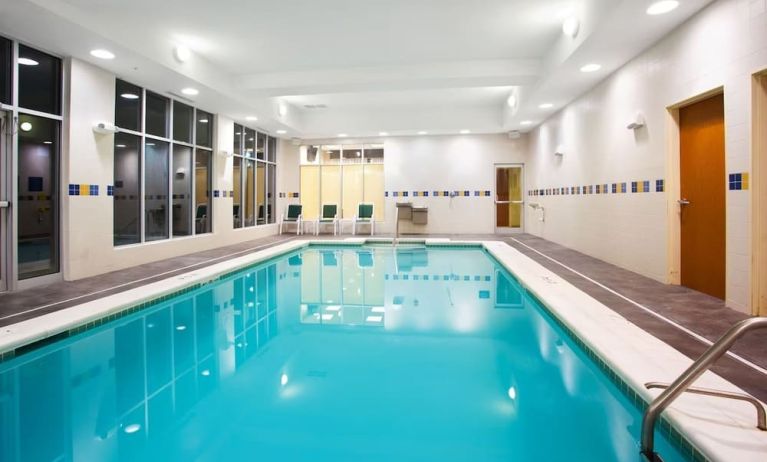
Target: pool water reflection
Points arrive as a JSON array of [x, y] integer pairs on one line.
[[331, 353]]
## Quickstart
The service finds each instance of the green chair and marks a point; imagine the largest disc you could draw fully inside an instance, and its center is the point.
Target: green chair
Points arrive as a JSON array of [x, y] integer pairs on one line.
[[293, 215], [364, 216], [329, 216]]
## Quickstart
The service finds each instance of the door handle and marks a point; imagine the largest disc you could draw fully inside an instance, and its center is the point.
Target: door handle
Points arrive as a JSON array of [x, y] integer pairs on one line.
[[683, 202]]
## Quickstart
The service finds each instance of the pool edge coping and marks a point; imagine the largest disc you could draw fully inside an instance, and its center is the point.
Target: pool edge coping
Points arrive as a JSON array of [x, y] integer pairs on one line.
[[682, 422]]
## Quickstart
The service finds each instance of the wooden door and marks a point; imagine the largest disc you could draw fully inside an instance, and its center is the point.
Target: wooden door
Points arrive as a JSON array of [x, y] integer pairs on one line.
[[702, 208]]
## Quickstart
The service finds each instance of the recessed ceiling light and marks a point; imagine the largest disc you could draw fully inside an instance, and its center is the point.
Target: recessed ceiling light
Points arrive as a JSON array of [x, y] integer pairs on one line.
[[182, 53], [422, 132], [342, 135], [282, 109], [512, 101], [591, 68], [383, 133], [570, 26], [546, 106], [465, 132], [662, 7], [25, 126], [281, 132], [129, 96], [251, 118], [190, 91], [102, 54], [526, 122], [28, 62]]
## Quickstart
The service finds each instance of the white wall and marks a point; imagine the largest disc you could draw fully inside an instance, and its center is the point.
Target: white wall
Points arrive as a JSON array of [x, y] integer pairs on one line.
[[87, 220], [722, 46], [441, 163]]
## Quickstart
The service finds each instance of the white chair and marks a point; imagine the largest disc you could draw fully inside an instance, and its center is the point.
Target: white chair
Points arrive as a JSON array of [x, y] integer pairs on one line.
[[293, 215], [364, 216]]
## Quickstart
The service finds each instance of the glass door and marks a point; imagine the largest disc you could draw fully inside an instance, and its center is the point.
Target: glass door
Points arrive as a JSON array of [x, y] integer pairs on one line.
[[509, 203], [4, 202]]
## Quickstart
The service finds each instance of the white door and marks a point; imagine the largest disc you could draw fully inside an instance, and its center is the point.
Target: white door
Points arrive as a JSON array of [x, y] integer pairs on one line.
[[5, 209], [509, 198]]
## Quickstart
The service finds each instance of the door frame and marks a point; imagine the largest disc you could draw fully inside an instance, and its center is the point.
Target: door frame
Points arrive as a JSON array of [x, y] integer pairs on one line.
[[508, 231], [5, 199], [673, 185], [758, 192]]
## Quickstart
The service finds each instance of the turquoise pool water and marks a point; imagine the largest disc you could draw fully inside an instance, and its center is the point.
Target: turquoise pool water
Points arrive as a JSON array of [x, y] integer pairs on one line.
[[327, 354]]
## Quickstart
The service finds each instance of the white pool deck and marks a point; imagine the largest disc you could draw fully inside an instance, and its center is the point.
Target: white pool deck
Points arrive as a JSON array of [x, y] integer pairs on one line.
[[721, 429]]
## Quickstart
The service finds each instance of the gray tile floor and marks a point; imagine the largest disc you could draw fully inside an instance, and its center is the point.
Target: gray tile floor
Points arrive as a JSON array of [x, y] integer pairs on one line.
[[700, 313]]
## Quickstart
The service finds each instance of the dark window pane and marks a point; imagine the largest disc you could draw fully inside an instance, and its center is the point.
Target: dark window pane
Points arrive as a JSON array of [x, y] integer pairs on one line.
[[6, 75], [204, 129], [272, 149], [182, 190], [261, 149], [249, 177], [270, 194], [182, 122], [156, 115], [38, 251], [202, 187], [39, 81], [260, 192], [128, 106], [238, 139], [127, 189], [237, 187], [250, 143], [156, 190]]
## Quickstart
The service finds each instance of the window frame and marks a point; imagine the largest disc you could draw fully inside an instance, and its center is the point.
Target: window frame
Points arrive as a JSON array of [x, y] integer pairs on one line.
[[268, 188], [144, 137]]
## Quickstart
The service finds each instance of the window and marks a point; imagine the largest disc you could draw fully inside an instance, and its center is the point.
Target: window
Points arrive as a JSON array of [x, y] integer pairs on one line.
[[345, 175], [163, 175], [6, 67], [127, 189], [39, 81], [253, 177], [37, 108]]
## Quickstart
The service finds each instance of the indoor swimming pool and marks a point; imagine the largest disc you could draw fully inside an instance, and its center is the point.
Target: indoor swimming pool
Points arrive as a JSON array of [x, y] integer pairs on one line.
[[327, 353]]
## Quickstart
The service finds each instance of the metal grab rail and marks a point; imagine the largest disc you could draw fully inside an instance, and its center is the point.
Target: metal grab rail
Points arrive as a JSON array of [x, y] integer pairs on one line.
[[761, 414], [682, 383]]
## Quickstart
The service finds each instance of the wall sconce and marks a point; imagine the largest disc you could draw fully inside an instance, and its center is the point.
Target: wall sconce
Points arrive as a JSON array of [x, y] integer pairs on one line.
[[105, 128], [637, 122]]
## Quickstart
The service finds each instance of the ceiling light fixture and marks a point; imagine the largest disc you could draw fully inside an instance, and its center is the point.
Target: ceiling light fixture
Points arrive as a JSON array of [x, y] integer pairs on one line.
[[25, 126], [182, 53], [189, 91], [102, 54], [512, 100], [281, 132], [422, 132], [282, 109], [383, 133], [28, 62], [251, 118], [546, 106], [591, 68], [526, 122], [129, 96], [465, 132], [571, 26], [342, 135], [662, 7]]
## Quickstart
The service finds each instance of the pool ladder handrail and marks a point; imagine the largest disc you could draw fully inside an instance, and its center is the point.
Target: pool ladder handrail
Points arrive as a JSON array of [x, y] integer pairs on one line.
[[683, 382]]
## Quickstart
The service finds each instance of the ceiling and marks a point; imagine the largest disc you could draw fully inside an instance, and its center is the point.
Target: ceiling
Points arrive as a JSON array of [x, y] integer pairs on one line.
[[361, 67]]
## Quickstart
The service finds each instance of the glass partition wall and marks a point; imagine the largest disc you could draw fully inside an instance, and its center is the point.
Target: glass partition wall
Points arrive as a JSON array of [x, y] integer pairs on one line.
[[345, 175], [253, 177], [162, 169], [31, 116]]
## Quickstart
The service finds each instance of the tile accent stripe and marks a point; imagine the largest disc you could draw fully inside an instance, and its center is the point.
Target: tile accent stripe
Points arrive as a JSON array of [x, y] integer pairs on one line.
[[294, 195], [738, 181], [638, 186], [443, 193]]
